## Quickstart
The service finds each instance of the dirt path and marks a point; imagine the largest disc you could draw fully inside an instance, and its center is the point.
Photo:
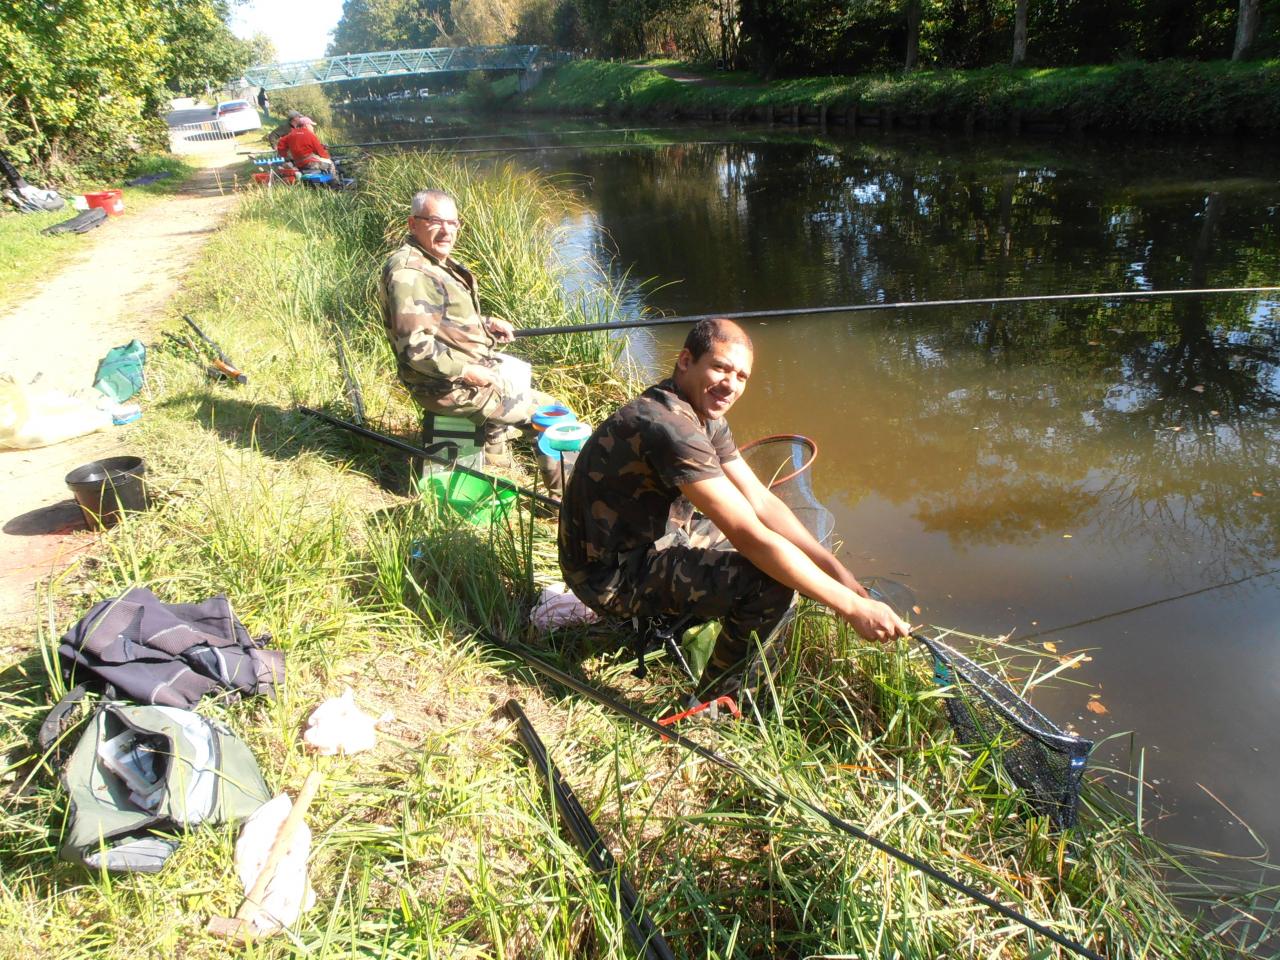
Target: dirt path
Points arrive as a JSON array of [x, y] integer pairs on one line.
[[696, 79], [116, 290]]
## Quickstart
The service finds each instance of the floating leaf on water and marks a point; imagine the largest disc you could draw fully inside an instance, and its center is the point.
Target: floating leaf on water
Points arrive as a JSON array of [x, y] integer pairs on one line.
[[1213, 413], [1177, 429], [1198, 388], [1257, 493], [1066, 536], [916, 609], [1050, 646], [1096, 706]]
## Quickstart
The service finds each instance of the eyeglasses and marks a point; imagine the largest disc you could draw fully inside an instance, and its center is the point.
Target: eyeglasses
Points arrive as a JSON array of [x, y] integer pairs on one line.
[[440, 222]]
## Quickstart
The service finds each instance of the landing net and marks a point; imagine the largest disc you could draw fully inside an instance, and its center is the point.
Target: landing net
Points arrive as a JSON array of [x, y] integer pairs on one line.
[[782, 463], [1045, 762]]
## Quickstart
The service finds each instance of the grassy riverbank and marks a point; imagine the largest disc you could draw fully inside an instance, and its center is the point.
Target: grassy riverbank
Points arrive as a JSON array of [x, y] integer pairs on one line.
[[1177, 97], [27, 256], [442, 843]]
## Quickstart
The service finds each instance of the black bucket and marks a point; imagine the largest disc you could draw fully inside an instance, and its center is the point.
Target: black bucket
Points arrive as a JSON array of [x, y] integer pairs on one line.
[[106, 488]]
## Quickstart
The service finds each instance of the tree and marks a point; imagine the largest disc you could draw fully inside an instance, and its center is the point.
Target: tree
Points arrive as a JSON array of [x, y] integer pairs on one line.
[[262, 49], [913, 35], [483, 22], [369, 25], [201, 52], [78, 87], [1246, 28], [1019, 32]]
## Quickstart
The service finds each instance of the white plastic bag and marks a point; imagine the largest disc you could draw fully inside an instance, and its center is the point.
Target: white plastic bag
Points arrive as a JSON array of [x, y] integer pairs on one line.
[[558, 607], [34, 417], [339, 726], [288, 893]]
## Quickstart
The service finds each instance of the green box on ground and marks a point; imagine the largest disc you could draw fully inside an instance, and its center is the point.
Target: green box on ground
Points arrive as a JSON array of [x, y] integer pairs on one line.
[[478, 501]]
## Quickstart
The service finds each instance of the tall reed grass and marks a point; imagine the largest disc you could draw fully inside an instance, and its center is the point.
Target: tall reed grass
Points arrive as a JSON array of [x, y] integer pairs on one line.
[[443, 842]]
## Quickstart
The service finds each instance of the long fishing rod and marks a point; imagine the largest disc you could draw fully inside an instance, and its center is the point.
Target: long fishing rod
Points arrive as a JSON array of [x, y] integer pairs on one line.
[[604, 146], [646, 937], [780, 796], [489, 136], [776, 793], [1063, 628], [428, 455], [900, 305]]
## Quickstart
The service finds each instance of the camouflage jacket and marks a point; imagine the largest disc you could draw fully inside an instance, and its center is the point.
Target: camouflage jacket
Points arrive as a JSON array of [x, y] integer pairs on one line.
[[624, 496], [432, 317]]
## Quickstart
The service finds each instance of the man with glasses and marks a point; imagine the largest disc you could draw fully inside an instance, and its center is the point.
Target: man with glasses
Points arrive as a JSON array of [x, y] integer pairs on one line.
[[445, 347]]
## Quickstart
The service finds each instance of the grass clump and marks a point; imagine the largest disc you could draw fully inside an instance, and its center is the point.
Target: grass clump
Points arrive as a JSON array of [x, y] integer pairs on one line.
[[442, 842]]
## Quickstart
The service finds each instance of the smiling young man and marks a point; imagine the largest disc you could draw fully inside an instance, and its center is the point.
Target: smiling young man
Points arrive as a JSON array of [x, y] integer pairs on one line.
[[629, 543], [445, 347]]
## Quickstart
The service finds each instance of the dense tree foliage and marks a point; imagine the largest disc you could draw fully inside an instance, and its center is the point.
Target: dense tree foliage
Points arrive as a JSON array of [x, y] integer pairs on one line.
[[84, 83], [368, 25], [834, 36]]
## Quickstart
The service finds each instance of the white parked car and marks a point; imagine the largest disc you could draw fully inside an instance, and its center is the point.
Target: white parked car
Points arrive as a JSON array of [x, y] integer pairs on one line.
[[237, 116]]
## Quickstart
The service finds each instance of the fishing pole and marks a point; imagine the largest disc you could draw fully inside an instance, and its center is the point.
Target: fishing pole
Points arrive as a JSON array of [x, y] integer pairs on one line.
[[900, 305], [599, 146], [774, 792], [646, 937], [428, 455], [1147, 606], [489, 136], [778, 795]]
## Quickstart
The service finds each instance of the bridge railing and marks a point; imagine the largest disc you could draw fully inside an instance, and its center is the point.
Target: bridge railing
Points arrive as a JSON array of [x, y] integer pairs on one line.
[[386, 63]]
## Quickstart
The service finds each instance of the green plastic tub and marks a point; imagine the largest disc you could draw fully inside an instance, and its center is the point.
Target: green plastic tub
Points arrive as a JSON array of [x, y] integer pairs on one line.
[[478, 501]]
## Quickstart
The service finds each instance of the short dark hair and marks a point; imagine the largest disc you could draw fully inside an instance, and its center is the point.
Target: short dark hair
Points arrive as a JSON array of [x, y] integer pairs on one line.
[[714, 330]]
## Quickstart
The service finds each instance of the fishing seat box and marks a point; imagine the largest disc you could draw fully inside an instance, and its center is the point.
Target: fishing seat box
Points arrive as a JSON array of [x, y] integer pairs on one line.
[[465, 439]]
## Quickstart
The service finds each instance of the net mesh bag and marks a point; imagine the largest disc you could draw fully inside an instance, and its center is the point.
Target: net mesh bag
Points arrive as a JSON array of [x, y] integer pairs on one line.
[[782, 463], [1045, 762]]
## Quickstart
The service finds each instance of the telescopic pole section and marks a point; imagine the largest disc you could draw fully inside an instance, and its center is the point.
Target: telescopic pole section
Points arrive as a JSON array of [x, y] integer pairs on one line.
[[777, 794], [861, 307], [643, 933], [426, 455]]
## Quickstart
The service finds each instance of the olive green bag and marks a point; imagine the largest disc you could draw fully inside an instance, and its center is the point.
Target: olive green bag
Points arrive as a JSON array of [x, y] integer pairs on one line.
[[141, 769]]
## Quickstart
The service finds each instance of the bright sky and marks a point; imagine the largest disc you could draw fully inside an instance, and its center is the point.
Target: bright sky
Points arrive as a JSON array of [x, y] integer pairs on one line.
[[300, 31]]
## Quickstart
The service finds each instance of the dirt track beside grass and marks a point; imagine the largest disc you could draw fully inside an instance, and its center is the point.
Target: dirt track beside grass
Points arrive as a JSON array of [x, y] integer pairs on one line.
[[119, 288]]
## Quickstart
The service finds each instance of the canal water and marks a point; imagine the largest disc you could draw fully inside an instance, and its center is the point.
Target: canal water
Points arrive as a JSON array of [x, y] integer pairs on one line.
[[1093, 478]]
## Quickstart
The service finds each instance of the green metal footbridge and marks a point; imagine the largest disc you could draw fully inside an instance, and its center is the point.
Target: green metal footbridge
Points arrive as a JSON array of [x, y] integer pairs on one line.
[[390, 63]]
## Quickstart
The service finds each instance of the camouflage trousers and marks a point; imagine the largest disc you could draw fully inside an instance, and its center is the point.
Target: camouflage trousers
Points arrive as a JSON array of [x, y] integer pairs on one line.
[[497, 408], [700, 573]]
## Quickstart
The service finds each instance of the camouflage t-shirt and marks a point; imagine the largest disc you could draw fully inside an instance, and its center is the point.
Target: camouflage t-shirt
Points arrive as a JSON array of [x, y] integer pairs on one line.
[[432, 317], [624, 496]]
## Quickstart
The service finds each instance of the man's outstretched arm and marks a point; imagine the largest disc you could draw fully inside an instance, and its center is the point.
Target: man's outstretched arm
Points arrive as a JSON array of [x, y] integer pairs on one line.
[[779, 518], [780, 558]]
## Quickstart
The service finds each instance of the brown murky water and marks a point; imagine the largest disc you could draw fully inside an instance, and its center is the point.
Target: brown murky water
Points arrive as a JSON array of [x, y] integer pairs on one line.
[[1095, 476]]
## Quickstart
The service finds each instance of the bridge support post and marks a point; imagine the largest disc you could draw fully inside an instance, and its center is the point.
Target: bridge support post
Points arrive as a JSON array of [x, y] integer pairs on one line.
[[529, 78]]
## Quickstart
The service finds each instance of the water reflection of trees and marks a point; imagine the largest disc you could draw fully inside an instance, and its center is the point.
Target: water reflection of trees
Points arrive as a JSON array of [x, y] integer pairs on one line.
[[1154, 420]]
